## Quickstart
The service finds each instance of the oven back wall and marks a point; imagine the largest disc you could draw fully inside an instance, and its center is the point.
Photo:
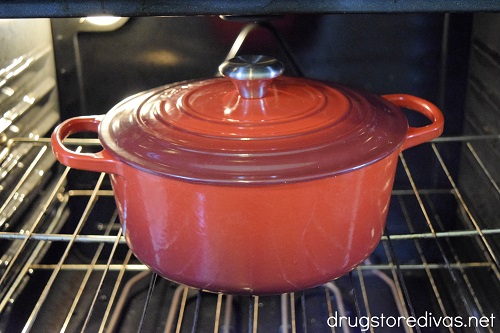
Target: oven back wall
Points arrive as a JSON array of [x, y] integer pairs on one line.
[[384, 53]]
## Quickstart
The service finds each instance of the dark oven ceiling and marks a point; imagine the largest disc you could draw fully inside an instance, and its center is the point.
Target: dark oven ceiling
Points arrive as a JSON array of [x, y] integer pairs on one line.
[[78, 8]]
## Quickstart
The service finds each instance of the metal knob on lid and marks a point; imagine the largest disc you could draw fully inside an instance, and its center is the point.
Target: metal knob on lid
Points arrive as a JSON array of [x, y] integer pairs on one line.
[[252, 74]]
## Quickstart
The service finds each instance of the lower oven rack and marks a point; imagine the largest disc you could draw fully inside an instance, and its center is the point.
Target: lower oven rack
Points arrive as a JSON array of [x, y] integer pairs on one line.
[[429, 264]]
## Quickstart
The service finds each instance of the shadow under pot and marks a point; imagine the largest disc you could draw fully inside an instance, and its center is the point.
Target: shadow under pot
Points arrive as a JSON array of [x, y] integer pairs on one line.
[[253, 183]]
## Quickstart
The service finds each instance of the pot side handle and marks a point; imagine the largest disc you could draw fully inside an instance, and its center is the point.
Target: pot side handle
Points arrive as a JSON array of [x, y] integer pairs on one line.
[[100, 162], [419, 135]]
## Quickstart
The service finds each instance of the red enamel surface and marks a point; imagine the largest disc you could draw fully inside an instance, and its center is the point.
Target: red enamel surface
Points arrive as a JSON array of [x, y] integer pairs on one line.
[[258, 239]]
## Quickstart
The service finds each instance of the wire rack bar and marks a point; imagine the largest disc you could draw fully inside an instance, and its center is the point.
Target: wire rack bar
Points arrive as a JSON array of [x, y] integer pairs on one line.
[[483, 167], [86, 278], [485, 242], [218, 313], [34, 313], [25, 176], [140, 267], [42, 212], [182, 309], [399, 281], [292, 313], [98, 290], [146, 303], [420, 251], [464, 295], [111, 239], [364, 296], [96, 142], [21, 275], [463, 273]]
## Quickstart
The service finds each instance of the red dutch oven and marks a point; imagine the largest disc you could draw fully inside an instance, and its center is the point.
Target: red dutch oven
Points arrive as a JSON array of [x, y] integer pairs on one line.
[[254, 183]]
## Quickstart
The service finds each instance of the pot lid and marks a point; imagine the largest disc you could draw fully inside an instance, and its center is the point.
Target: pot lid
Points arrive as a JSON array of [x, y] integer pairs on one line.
[[253, 126]]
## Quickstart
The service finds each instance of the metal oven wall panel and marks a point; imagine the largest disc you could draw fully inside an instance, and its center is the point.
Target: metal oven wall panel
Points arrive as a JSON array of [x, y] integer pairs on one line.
[[383, 53], [28, 107], [27, 77], [482, 115]]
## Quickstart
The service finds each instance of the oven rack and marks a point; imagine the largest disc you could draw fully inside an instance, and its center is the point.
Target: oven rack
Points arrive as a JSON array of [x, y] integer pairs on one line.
[[421, 248]]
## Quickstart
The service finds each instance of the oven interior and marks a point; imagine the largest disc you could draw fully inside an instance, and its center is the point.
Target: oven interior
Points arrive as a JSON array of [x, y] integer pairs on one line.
[[64, 262]]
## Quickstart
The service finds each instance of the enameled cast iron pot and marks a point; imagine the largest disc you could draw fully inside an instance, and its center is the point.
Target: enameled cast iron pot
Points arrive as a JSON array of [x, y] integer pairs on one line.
[[252, 183]]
